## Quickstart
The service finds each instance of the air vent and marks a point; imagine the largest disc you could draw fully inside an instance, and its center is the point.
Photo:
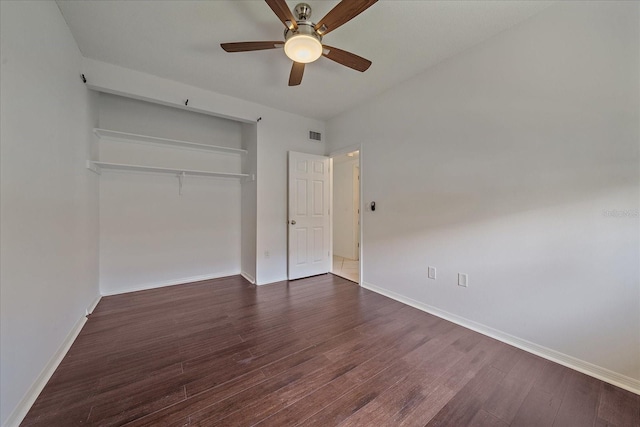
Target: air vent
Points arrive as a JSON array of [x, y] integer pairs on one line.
[[315, 136]]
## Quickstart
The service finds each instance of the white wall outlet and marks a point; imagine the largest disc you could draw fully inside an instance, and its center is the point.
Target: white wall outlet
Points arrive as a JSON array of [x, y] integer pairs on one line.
[[463, 279], [432, 273], [267, 254]]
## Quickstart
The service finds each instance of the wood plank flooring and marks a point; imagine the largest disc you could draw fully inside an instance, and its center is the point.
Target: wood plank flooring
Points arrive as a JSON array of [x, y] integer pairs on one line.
[[314, 352]]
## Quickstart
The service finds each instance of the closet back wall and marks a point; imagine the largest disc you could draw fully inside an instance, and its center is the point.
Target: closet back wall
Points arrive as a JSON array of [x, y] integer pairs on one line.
[[150, 235]]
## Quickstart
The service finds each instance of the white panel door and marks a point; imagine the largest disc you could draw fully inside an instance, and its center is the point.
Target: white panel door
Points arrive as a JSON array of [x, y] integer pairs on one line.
[[308, 215]]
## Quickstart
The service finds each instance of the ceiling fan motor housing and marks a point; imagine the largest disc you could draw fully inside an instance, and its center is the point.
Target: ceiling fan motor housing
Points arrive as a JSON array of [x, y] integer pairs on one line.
[[304, 27], [303, 13]]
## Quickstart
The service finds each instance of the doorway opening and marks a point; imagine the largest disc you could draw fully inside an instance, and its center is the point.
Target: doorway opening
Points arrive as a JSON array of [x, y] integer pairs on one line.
[[346, 216]]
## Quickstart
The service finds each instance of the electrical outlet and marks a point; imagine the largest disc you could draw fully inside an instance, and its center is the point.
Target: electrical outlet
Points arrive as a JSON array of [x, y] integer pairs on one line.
[[432, 273], [463, 279], [267, 254]]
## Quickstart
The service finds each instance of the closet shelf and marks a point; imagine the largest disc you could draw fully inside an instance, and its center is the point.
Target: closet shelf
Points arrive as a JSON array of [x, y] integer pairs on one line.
[[98, 166], [124, 136]]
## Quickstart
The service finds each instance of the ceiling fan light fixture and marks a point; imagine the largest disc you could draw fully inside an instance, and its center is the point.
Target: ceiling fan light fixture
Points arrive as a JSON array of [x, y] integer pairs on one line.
[[303, 48], [303, 37]]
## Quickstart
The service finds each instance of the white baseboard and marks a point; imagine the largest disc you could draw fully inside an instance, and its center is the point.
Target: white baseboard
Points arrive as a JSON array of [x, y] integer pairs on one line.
[[93, 305], [606, 375], [249, 277], [173, 282], [34, 391]]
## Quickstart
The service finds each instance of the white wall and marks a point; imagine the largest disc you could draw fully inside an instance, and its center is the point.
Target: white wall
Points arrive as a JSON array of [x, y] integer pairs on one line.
[[150, 235], [344, 238], [501, 163], [134, 116], [49, 201], [278, 132]]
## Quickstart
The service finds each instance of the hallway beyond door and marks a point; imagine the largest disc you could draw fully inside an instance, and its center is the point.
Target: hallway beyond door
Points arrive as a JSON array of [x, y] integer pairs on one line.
[[346, 268]]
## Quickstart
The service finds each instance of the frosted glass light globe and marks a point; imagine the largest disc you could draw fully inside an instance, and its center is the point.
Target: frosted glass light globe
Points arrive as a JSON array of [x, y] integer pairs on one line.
[[303, 48]]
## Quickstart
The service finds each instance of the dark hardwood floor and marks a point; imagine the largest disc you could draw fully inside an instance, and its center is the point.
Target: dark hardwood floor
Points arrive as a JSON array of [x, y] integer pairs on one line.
[[315, 352]]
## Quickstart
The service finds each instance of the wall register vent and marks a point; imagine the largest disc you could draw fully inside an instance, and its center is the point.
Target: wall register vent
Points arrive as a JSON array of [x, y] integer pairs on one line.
[[315, 136]]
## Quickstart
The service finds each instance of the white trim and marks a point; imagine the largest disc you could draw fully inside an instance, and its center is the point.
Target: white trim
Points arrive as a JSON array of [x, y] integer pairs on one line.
[[606, 375], [116, 80], [248, 277], [345, 150], [182, 281], [136, 138], [361, 233], [93, 305], [34, 391], [331, 213], [272, 280]]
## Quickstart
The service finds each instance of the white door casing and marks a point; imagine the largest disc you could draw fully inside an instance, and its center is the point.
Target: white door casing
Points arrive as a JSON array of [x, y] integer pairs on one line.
[[309, 219], [356, 212]]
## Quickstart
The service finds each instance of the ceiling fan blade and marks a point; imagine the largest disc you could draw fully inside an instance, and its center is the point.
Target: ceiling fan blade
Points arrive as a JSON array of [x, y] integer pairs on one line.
[[344, 11], [297, 70], [248, 46], [345, 58], [283, 12]]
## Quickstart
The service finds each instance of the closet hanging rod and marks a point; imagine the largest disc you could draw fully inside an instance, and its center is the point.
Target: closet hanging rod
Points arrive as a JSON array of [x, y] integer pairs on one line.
[[97, 167]]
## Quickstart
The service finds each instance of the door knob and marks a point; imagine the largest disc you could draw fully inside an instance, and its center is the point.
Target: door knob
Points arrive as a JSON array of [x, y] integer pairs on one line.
[[293, 222]]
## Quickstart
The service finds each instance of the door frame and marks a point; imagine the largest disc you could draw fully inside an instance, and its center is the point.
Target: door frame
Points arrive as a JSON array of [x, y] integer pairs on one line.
[[331, 155], [356, 215]]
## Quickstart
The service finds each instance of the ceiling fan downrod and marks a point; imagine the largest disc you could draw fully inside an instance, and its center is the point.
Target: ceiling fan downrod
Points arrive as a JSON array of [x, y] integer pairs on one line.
[[302, 11]]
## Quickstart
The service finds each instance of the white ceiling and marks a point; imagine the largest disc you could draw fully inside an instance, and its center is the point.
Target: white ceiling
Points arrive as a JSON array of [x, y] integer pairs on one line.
[[180, 40]]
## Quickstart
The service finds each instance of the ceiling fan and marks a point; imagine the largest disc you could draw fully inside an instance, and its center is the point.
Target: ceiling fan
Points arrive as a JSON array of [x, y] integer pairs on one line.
[[303, 38]]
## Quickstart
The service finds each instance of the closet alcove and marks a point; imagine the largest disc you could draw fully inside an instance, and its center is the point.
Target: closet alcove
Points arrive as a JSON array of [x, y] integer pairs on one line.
[[177, 195]]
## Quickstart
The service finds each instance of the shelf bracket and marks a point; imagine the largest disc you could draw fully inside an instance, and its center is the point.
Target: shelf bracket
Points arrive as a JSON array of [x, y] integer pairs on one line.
[[93, 167], [180, 182]]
